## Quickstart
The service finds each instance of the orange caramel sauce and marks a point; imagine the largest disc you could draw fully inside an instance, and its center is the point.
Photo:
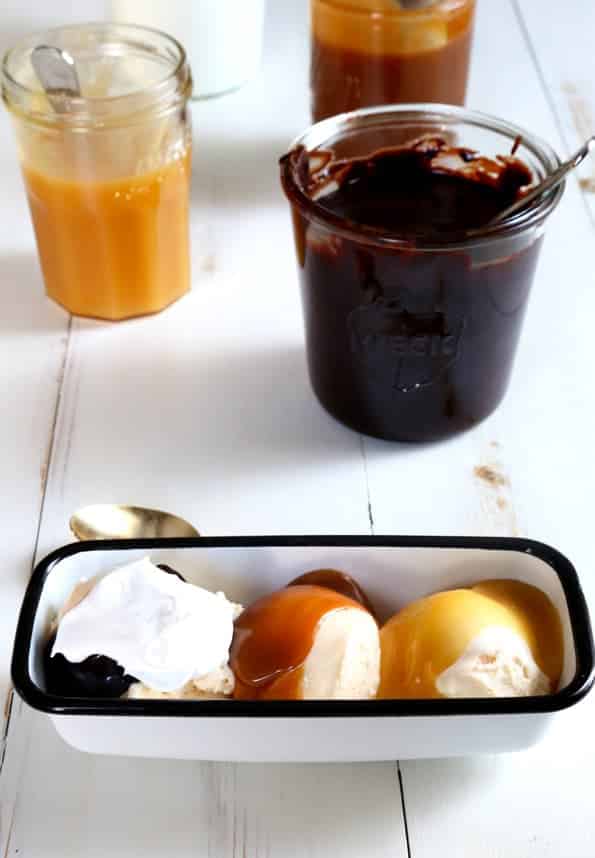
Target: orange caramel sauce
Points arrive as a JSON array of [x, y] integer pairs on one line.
[[113, 249], [371, 52], [341, 582], [273, 637], [428, 636], [544, 636]]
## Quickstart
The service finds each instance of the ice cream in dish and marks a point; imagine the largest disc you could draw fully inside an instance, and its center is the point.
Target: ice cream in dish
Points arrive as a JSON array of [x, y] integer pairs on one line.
[[306, 642], [497, 639], [142, 631]]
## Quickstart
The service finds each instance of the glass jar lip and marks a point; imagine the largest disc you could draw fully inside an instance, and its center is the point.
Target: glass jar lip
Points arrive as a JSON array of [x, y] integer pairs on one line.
[[174, 86], [441, 7], [327, 129]]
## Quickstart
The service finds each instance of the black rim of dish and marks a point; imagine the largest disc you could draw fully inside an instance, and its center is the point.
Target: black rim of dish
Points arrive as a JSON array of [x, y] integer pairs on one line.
[[580, 684]]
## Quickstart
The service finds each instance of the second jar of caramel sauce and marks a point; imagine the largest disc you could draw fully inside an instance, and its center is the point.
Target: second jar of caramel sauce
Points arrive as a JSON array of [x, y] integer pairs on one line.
[[370, 52]]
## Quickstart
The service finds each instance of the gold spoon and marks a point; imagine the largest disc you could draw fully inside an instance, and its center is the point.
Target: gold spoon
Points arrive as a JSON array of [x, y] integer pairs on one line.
[[117, 521]]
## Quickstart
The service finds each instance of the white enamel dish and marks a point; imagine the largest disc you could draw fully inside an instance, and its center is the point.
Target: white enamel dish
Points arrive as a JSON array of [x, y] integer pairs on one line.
[[393, 570]]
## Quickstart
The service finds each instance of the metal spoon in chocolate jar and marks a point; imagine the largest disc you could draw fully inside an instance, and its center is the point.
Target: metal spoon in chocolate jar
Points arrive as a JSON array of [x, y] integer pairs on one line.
[[549, 183], [117, 521]]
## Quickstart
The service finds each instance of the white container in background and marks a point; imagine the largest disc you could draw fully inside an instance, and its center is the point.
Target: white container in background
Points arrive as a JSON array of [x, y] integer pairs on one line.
[[222, 38]]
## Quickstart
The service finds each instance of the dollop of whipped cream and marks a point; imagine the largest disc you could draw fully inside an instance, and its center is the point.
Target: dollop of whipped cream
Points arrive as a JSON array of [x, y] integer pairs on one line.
[[496, 663], [160, 629]]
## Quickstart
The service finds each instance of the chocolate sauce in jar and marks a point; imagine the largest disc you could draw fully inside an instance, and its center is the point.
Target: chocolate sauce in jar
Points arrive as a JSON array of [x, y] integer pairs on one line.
[[412, 340]]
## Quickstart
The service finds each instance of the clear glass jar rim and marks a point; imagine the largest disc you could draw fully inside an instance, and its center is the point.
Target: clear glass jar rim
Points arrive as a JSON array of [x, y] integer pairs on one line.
[[175, 85], [328, 129], [441, 7]]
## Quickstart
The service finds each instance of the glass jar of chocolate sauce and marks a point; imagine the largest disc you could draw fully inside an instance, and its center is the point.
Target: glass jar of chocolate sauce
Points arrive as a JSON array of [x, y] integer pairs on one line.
[[370, 52], [413, 301]]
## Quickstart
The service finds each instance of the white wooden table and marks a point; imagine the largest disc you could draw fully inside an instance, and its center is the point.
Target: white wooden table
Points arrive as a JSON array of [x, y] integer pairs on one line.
[[205, 410]]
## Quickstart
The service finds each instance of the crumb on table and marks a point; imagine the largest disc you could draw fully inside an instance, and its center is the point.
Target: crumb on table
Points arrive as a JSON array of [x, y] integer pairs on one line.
[[490, 475]]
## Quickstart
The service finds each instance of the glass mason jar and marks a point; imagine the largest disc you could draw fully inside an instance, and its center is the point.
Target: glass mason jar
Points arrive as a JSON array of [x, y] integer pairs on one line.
[[107, 174], [412, 340], [370, 52]]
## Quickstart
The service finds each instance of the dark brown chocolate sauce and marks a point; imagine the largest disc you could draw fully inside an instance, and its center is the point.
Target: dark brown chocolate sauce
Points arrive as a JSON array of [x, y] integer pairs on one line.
[[413, 338], [96, 676], [426, 190]]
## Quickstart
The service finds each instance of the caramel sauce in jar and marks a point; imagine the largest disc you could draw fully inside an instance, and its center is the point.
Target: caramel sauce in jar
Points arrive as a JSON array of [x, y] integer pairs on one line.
[[369, 52], [107, 172]]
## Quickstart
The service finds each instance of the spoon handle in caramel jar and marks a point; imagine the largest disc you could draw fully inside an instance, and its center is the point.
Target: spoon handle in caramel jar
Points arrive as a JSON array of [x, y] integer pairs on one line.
[[56, 71]]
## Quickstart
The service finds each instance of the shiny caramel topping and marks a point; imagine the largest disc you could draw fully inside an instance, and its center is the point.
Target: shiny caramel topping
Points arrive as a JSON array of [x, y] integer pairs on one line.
[[341, 582], [428, 636], [381, 27], [542, 622], [273, 637]]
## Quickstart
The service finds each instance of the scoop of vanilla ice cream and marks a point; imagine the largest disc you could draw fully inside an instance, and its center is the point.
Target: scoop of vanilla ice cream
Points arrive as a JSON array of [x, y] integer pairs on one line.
[[217, 684], [496, 663], [344, 660]]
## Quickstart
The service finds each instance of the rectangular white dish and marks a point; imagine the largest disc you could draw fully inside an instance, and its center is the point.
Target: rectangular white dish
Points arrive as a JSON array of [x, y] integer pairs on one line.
[[393, 570]]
